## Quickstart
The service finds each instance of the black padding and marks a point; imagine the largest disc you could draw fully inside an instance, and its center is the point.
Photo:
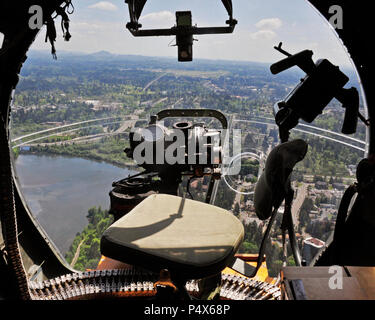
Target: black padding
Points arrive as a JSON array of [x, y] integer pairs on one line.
[[271, 187]]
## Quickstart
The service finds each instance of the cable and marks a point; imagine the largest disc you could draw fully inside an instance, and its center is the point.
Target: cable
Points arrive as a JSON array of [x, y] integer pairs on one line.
[[263, 244], [188, 186]]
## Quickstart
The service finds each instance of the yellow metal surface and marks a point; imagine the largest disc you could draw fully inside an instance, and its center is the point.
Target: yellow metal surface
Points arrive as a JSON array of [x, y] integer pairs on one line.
[[262, 274]]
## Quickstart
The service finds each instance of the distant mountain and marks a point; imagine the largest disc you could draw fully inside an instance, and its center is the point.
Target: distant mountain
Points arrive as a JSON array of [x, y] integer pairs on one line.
[[137, 61], [105, 55], [102, 53], [105, 59]]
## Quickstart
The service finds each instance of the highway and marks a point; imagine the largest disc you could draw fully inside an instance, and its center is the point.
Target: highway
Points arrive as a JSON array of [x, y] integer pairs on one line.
[[316, 134], [62, 127], [126, 124], [341, 135]]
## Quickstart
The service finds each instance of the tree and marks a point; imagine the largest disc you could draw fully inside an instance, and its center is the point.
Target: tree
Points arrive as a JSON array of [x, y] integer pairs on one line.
[[248, 247], [89, 238]]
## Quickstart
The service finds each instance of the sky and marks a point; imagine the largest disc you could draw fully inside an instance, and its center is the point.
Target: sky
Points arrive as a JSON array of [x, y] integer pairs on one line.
[[100, 25]]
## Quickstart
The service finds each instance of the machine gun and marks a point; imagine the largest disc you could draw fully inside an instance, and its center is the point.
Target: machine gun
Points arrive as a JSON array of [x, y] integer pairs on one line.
[[167, 154], [183, 30], [322, 83]]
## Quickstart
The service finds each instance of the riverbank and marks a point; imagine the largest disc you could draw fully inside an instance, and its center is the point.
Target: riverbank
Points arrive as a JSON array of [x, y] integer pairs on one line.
[[109, 150], [95, 158]]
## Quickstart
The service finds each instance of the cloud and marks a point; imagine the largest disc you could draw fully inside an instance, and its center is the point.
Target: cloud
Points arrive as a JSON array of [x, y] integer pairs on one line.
[[86, 28], [263, 35], [104, 5], [159, 19], [266, 29], [269, 24]]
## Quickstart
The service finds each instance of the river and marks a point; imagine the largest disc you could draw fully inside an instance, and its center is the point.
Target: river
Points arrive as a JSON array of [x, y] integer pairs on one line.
[[60, 190]]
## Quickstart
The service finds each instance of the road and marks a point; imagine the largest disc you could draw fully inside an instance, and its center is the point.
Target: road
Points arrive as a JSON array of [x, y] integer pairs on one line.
[[177, 102], [317, 135], [127, 124], [153, 81], [272, 121], [159, 101], [62, 127], [298, 201], [76, 255]]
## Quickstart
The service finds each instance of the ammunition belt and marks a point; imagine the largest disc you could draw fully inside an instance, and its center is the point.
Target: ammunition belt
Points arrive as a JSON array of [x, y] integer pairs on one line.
[[120, 283], [137, 283], [242, 288]]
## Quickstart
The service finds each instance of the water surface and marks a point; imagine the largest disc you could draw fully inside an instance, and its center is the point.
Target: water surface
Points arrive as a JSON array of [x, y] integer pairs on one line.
[[59, 191]]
